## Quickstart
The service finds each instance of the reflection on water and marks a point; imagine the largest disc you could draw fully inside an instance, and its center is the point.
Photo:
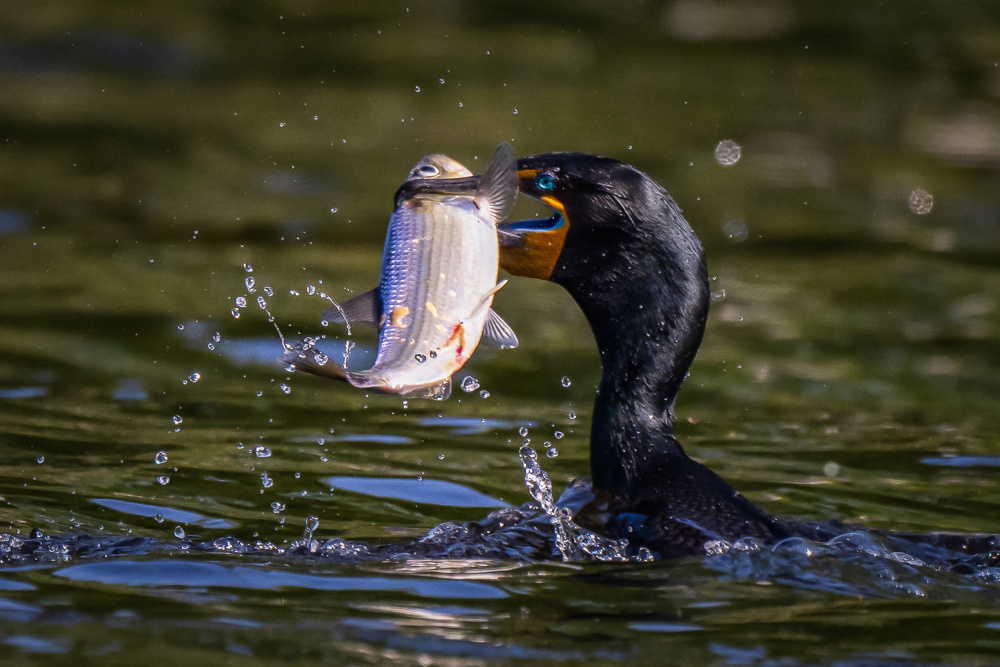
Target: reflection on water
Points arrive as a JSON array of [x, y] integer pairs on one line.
[[839, 163]]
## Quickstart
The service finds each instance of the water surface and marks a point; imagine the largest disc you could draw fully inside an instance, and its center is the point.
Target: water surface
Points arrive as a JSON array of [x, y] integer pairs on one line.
[[849, 370]]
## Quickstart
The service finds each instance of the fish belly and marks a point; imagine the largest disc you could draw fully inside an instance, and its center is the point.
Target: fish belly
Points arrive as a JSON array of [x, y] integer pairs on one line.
[[439, 265]]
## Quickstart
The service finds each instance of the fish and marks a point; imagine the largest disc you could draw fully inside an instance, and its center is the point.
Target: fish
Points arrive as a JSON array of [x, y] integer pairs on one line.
[[433, 303]]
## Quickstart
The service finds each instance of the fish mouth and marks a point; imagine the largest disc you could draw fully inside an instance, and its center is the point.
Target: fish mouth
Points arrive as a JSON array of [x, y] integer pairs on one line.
[[531, 248]]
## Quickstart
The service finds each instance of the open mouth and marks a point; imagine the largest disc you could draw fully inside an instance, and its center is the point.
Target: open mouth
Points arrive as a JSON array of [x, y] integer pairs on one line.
[[512, 233], [532, 247]]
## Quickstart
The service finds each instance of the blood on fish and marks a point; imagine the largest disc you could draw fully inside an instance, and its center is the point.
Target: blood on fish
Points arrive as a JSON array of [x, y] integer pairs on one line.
[[457, 333]]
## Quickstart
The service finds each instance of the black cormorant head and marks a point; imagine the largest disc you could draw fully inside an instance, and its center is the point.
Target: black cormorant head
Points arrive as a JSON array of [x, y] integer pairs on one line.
[[584, 191], [613, 225]]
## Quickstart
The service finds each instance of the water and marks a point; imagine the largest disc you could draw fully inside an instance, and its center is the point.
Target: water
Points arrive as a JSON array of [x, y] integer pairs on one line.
[[849, 369]]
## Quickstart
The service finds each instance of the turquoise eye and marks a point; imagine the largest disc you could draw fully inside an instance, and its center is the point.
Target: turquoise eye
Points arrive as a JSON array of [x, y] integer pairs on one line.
[[545, 182]]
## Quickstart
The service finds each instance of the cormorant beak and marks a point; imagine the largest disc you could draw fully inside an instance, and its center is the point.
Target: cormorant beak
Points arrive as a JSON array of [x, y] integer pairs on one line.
[[531, 248]]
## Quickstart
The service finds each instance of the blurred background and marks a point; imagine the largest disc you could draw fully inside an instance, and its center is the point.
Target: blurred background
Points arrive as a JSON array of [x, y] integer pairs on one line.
[[149, 151]]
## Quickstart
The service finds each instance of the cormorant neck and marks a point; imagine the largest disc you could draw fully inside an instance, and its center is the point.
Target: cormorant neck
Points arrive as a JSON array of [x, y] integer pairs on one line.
[[644, 290]]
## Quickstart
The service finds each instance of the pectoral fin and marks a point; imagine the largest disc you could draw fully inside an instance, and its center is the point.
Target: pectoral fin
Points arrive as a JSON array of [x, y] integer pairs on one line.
[[364, 308], [437, 392], [498, 333], [498, 185]]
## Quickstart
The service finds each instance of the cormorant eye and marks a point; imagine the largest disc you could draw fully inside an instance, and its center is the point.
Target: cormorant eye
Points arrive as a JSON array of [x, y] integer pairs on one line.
[[545, 181], [426, 171]]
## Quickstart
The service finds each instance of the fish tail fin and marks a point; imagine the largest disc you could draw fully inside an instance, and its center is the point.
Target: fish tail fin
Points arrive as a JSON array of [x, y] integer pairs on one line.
[[498, 184], [314, 362]]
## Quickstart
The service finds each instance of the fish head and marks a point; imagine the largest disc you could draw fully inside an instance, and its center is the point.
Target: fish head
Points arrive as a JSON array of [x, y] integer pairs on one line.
[[438, 165]]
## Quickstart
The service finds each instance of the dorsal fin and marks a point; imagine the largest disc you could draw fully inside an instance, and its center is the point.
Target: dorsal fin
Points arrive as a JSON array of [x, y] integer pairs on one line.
[[497, 190]]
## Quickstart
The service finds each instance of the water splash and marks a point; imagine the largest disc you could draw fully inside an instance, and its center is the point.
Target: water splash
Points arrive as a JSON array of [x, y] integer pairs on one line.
[[573, 542]]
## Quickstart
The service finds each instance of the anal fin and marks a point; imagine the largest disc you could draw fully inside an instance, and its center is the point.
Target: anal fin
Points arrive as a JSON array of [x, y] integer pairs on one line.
[[438, 392]]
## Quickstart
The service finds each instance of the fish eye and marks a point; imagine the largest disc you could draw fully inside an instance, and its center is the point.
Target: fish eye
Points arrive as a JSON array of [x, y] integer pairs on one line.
[[545, 181], [426, 171]]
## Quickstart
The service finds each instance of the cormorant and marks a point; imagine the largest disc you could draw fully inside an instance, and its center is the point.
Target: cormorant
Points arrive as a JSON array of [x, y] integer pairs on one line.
[[619, 244]]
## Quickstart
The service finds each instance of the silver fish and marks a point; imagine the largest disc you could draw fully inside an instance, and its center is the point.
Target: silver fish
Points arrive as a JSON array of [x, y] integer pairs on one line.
[[439, 275]]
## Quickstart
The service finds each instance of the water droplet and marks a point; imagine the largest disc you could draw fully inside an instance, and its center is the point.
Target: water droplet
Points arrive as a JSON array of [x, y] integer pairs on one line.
[[266, 481], [565, 381], [261, 303], [41, 459], [470, 384], [515, 112], [406, 404], [179, 533], [483, 393], [235, 313], [293, 292], [440, 457], [247, 268], [241, 302], [211, 346], [281, 124], [262, 452], [460, 105], [315, 117], [276, 507], [180, 327], [194, 377], [285, 388], [163, 480], [736, 230], [177, 419], [433, 354], [217, 337], [921, 201], [416, 89], [250, 283], [160, 458], [572, 415], [727, 152], [523, 431], [558, 435], [268, 291], [552, 452], [420, 358], [547, 444], [158, 518]]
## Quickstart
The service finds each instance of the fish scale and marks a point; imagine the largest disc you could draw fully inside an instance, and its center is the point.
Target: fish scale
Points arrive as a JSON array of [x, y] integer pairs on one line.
[[439, 272], [447, 244]]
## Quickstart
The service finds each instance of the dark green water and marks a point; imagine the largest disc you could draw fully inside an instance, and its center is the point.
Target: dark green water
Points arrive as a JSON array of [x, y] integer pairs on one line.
[[849, 371]]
